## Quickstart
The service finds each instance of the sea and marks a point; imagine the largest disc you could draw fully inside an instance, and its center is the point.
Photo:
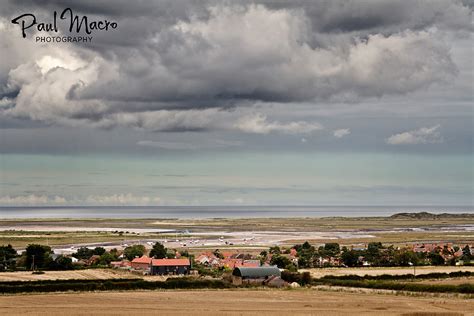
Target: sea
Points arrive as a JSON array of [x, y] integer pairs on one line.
[[200, 212]]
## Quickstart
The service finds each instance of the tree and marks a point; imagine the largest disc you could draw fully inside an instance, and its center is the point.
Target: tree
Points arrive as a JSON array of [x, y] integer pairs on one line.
[[466, 253], [306, 278], [303, 262], [331, 249], [38, 256], [350, 258], [158, 251], [446, 250], [62, 263], [83, 253], [306, 255], [99, 251], [275, 250], [387, 258], [406, 258], [218, 254], [134, 251], [436, 259], [184, 253], [282, 262], [106, 258], [7, 257], [114, 252]]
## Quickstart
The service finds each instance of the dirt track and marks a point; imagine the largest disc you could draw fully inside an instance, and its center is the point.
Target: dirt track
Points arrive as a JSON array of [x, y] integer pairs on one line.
[[235, 302]]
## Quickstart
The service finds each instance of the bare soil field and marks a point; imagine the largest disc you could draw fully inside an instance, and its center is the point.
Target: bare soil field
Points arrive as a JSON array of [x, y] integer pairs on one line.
[[65, 275], [318, 273], [232, 302]]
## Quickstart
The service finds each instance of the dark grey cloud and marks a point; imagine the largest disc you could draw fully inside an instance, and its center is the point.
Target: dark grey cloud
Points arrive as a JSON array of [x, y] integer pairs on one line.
[[169, 62]]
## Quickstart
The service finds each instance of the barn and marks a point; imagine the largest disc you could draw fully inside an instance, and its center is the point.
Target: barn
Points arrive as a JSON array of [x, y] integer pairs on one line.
[[142, 263], [247, 275], [170, 266]]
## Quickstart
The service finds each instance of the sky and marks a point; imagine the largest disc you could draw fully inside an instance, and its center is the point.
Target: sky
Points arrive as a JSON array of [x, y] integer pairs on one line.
[[239, 103]]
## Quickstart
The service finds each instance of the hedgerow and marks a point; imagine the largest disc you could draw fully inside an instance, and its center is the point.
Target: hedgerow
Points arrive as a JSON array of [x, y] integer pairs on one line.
[[108, 285]]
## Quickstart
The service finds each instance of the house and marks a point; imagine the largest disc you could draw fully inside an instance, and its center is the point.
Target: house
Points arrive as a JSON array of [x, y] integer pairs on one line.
[[234, 263], [170, 266], [203, 259], [255, 275], [208, 259], [293, 252], [142, 263], [125, 264]]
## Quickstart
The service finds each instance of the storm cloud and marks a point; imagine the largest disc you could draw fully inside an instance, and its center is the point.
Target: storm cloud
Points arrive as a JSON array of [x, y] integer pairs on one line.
[[181, 66]]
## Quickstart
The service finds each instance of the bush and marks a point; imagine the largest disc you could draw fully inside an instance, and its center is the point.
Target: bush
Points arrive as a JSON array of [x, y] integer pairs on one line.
[[301, 278]]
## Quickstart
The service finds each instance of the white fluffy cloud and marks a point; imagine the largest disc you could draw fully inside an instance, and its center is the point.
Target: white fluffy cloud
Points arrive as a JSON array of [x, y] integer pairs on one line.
[[259, 124], [339, 133], [92, 200], [424, 135], [31, 200], [122, 199]]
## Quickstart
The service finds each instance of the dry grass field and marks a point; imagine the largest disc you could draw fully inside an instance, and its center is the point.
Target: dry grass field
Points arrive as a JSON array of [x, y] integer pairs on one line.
[[233, 302], [449, 281], [318, 273], [89, 274]]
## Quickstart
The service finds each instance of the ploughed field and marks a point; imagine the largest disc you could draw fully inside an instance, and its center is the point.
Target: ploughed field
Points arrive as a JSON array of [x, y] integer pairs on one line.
[[233, 302]]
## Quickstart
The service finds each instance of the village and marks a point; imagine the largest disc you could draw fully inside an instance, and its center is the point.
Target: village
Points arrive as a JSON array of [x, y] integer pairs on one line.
[[274, 267]]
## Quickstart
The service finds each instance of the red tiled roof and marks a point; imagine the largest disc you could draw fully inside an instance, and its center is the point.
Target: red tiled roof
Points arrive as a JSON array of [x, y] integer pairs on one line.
[[234, 263], [143, 259], [170, 262], [201, 257]]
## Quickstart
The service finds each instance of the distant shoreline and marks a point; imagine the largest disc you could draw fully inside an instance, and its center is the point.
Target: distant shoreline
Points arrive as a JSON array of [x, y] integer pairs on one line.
[[227, 212], [407, 216]]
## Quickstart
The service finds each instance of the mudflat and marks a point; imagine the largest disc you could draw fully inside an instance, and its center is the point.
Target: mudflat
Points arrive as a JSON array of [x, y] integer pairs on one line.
[[232, 302]]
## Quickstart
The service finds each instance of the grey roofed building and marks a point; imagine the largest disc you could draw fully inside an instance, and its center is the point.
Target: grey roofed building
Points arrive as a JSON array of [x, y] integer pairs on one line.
[[256, 272]]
